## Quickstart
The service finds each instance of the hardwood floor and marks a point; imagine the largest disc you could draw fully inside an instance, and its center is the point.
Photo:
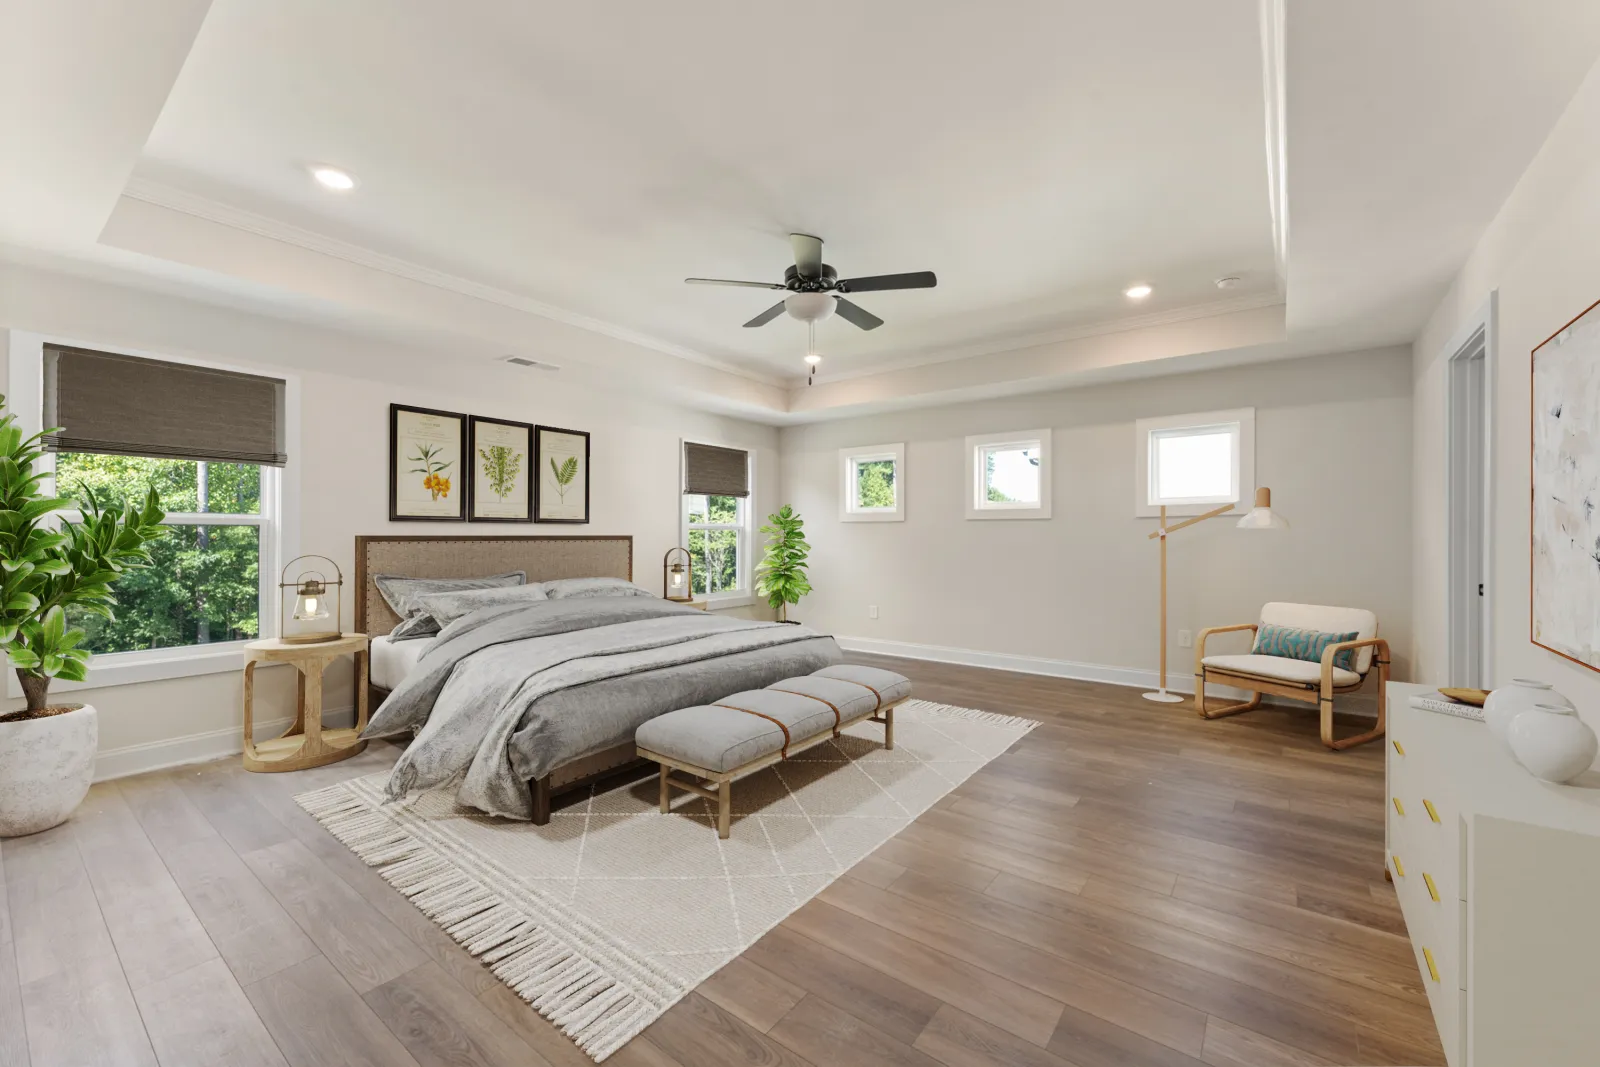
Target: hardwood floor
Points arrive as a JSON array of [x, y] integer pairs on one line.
[[1130, 885]]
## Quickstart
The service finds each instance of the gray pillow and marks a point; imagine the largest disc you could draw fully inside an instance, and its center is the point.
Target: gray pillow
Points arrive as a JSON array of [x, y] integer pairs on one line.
[[446, 608], [572, 588], [401, 593]]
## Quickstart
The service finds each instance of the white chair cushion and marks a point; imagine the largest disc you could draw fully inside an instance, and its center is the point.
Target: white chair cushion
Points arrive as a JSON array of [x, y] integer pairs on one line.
[[1293, 671], [1329, 621]]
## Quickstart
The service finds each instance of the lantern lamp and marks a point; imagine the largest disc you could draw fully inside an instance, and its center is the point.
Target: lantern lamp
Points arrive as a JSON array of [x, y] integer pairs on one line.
[[311, 603], [677, 575]]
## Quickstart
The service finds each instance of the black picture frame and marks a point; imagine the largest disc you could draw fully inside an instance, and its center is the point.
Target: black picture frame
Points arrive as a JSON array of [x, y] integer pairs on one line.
[[395, 461], [531, 474], [540, 461]]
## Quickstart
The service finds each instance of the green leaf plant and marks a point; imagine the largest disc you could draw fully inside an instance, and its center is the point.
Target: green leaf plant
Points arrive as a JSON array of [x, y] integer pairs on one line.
[[781, 576], [44, 571]]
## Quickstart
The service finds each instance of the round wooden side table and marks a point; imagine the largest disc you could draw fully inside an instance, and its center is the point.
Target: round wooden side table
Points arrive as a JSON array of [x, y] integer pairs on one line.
[[305, 743]]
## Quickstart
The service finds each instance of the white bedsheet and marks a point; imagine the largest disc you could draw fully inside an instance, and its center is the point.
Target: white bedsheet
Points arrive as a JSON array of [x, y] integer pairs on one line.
[[393, 660]]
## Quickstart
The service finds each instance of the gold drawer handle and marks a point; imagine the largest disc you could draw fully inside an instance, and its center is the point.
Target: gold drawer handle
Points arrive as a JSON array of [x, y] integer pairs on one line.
[[1398, 747], [1433, 812], [1433, 969], [1399, 868], [1399, 808], [1433, 890]]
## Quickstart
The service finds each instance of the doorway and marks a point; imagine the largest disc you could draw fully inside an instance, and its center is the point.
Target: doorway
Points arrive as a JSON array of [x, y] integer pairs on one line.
[[1469, 490]]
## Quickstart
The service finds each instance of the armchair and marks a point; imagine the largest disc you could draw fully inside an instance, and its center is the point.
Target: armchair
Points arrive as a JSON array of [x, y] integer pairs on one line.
[[1303, 680]]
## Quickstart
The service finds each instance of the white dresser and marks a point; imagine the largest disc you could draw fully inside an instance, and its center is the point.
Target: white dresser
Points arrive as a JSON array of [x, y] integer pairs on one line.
[[1498, 876]]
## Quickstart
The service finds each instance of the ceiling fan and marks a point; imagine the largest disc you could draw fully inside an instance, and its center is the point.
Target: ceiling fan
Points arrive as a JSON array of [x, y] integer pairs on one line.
[[816, 291]]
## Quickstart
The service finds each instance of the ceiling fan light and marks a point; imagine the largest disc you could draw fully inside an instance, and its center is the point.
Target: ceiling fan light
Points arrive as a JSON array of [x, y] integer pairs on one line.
[[813, 359], [810, 307]]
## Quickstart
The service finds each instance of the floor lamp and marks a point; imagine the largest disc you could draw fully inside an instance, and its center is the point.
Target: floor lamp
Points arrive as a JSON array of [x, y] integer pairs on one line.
[[1260, 517]]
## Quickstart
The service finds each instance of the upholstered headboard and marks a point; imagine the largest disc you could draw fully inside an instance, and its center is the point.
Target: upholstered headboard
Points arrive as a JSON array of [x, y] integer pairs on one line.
[[544, 558]]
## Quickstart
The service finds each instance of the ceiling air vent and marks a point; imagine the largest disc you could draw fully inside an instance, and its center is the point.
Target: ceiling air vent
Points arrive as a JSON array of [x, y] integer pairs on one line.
[[524, 361]]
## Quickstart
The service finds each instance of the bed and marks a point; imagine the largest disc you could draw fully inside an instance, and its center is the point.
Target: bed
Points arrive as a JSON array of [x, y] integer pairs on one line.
[[573, 732]]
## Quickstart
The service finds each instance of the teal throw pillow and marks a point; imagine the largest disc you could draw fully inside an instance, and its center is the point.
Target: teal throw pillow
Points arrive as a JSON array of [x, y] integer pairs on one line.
[[1293, 643]]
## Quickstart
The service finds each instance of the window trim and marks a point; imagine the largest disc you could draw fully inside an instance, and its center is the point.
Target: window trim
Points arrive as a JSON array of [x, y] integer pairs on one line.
[[744, 594], [1244, 458], [280, 490], [849, 459], [978, 504]]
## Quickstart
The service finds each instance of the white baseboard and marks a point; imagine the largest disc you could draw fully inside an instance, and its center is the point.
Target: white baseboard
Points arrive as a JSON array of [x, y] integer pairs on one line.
[[197, 748]]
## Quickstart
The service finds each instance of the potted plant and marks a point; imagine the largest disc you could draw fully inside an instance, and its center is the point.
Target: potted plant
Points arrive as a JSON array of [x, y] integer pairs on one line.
[[47, 751], [781, 577]]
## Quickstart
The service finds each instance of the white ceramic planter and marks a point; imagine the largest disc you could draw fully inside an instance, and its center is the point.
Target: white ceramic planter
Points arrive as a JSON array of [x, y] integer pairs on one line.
[[1514, 698], [46, 766], [1553, 743]]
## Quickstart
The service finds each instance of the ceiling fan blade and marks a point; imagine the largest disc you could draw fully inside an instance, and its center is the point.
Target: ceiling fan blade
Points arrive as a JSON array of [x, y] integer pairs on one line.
[[858, 315], [921, 279], [807, 254], [768, 315], [725, 281]]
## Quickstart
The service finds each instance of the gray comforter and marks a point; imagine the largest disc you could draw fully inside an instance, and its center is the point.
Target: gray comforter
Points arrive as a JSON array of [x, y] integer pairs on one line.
[[506, 695]]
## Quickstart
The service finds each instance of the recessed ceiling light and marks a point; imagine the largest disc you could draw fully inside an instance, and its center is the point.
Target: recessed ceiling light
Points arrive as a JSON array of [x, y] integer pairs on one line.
[[1227, 281], [1137, 292], [333, 178]]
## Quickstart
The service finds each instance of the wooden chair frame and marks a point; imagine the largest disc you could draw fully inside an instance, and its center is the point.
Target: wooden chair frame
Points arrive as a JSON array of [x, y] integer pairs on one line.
[[1321, 694]]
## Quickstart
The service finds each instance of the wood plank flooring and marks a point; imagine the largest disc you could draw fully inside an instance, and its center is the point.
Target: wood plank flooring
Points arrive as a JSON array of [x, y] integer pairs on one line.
[[1130, 885]]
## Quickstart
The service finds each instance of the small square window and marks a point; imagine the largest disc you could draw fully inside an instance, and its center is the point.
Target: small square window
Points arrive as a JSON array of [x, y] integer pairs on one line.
[[1191, 463], [1009, 475], [873, 488]]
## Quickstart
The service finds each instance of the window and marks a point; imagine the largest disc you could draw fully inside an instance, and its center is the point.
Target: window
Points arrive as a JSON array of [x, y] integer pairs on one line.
[[1192, 463], [874, 484], [1008, 476], [716, 521], [211, 441], [204, 584]]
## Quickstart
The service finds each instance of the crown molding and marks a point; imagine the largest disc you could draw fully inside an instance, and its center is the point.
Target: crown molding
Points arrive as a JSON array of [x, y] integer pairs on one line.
[[167, 196], [1098, 328]]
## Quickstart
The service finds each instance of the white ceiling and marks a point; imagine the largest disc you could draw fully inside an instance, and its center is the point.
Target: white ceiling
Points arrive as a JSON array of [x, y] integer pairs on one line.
[[539, 178], [1040, 156]]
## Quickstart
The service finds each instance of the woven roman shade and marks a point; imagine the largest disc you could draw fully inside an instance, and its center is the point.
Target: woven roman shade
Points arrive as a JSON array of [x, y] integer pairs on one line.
[[131, 406], [714, 471]]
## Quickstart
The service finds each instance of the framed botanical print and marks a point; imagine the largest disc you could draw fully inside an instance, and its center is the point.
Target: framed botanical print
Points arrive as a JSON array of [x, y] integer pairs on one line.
[[561, 489], [502, 464], [426, 448]]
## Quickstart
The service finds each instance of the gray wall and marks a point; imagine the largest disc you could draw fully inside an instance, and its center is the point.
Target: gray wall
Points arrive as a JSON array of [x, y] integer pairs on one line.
[[1333, 441]]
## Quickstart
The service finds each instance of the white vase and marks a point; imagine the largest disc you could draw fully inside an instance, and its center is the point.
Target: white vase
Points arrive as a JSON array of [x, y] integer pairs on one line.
[[46, 766], [1514, 698], [1553, 743]]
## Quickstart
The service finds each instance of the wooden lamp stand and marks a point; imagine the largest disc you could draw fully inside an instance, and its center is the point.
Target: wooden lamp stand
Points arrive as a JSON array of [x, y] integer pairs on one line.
[[1161, 695]]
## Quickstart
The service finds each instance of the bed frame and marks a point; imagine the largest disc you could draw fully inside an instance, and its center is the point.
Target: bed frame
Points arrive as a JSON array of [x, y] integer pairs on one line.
[[545, 558]]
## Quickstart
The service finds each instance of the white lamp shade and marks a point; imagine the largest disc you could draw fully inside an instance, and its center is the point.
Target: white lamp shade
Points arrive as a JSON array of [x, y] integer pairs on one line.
[[810, 307], [1262, 517]]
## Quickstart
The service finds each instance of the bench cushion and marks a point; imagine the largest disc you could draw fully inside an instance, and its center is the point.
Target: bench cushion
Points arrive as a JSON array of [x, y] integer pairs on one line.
[[889, 685], [1280, 669], [719, 737]]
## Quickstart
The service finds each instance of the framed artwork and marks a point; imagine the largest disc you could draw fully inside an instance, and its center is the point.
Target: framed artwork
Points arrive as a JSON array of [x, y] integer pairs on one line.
[[426, 448], [561, 489], [1564, 589], [502, 464]]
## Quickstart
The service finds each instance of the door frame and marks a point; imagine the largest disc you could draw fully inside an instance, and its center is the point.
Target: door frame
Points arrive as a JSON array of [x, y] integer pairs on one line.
[[1476, 340]]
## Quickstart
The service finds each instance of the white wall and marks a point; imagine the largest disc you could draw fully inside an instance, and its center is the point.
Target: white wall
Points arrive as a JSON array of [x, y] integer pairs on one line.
[[347, 384], [1542, 254], [1333, 440]]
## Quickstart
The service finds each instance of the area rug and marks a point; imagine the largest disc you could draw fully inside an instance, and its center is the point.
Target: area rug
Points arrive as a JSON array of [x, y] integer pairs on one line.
[[606, 917]]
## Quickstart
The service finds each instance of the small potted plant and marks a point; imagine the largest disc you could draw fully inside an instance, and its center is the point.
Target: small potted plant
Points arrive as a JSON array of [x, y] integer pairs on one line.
[[47, 751], [781, 577]]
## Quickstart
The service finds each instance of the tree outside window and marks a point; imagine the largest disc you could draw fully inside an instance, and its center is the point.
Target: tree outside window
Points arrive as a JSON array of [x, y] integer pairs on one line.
[[203, 585], [716, 534]]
